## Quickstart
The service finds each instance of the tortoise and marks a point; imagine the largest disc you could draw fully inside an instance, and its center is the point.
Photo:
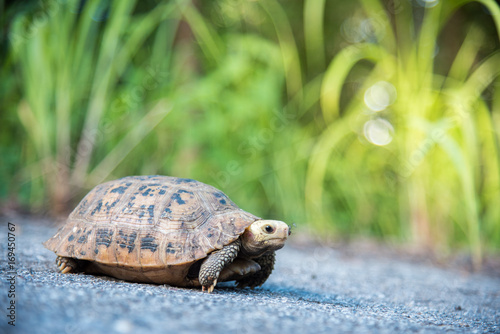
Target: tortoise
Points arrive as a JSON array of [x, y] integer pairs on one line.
[[167, 230]]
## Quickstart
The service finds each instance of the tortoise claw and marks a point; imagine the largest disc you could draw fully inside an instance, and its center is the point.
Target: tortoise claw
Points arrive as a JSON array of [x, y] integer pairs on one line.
[[65, 265], [209, 288], [66, 270]]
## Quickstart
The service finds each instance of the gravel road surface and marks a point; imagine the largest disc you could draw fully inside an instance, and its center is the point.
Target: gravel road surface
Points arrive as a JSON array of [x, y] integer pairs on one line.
[[313, 289]]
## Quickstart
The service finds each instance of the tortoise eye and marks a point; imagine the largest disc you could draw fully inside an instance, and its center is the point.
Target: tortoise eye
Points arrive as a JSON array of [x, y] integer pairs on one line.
[[269, 229]]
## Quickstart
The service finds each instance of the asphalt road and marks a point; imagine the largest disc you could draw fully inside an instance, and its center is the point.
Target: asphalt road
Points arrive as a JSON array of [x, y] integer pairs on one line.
[[314, 289]]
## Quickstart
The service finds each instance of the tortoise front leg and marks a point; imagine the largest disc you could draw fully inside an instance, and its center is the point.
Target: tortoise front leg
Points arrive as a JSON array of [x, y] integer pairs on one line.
[[215, 262], [266, 263]]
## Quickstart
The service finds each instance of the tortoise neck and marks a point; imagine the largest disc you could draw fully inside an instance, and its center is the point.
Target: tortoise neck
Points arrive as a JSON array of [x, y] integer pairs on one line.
[[252, 253]]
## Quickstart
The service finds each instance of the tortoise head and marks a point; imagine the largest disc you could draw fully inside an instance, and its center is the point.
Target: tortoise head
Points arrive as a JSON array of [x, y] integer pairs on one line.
[[263, 236]]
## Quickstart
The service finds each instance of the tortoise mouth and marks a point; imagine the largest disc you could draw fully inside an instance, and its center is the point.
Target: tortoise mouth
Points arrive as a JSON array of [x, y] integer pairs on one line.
[[274, 243], [277, 238], [279, 246]]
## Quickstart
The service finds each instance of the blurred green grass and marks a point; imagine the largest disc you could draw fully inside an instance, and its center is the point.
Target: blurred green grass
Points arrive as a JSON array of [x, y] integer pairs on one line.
[[368, 118]]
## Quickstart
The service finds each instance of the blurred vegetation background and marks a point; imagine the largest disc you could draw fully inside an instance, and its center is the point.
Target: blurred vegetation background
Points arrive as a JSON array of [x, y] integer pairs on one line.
[[364, 118]]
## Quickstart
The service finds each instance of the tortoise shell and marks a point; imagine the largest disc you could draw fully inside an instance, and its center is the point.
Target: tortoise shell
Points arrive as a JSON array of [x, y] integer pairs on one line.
[[150, 228]]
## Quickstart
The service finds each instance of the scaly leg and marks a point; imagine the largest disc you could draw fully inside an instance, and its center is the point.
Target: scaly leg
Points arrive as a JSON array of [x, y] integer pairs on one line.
[[215, 262]]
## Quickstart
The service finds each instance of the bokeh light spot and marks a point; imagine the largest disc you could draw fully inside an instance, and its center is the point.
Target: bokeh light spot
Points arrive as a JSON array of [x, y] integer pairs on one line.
[[351, 31], [379, 96], [378, 131]]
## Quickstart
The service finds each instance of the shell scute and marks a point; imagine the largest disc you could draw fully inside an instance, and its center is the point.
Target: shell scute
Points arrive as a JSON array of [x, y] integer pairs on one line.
[[183, 206], [104, 236], [149, 242]]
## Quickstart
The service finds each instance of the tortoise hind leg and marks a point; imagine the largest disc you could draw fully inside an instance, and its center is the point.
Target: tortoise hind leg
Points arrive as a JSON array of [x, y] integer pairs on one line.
[[266, 263], [67, 265]]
